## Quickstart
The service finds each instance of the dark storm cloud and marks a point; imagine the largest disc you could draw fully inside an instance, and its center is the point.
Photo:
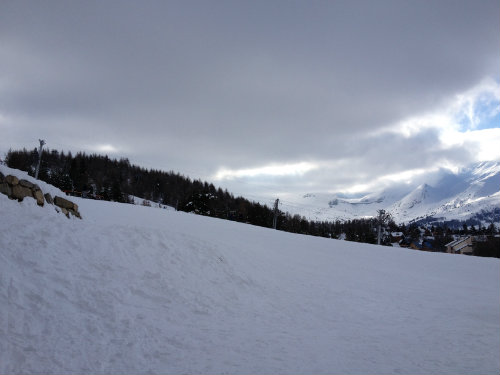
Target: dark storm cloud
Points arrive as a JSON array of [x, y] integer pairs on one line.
[[196, 85]]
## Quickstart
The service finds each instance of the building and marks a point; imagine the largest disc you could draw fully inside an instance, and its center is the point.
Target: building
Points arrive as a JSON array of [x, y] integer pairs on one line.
[[396, 236], [460, 246]]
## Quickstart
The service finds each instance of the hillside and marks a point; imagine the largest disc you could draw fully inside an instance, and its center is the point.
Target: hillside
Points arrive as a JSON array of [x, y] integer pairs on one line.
[[133, 289], [445, 196], [470, 195]]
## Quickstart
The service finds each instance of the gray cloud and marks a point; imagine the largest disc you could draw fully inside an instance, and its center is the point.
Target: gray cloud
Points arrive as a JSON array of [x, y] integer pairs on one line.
[[363, 161], [194, 85]]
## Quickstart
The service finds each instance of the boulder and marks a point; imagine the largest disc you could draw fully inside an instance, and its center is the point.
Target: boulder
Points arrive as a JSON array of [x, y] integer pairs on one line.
[[27, 184], [5, 188], [20, 192], [65, 211], [38, 195], [12, 180], [63, 203], [48, 198], [19, 189], [75, 213]]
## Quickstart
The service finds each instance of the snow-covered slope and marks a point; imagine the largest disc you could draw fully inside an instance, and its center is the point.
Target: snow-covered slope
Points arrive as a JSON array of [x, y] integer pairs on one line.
[[453, 196], [449, 196], [133, 289]]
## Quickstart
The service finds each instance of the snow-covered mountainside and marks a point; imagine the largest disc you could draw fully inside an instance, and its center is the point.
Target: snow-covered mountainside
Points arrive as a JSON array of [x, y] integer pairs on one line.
[[134, 289], [449, 196]]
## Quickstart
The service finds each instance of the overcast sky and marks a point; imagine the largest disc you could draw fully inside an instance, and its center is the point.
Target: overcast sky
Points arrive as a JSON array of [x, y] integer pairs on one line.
[[262, 97]]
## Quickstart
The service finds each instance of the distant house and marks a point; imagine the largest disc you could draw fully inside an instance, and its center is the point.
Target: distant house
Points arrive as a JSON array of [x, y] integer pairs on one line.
[[460, 246], [428, 244], [396, 236], [415, 246], [405, 242], [424, 245]]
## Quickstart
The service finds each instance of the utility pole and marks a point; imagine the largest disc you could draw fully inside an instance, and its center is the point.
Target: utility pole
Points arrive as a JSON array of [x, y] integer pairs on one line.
[[379, 232], [42, 142], [275, 219]]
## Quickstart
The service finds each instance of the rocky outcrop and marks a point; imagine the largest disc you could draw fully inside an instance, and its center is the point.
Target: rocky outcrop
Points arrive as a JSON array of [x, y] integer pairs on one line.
[[67, 207], [20, 189]]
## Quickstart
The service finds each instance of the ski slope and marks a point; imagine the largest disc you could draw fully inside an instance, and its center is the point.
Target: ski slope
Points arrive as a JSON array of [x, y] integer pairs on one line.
[[133, 289]]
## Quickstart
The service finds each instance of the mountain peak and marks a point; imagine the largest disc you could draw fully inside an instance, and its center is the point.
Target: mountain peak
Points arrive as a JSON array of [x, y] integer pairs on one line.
[[460, 196]]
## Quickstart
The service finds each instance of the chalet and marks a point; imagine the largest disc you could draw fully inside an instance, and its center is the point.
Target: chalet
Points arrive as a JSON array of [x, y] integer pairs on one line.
[[405, 242], [460, 246], [396, 236], [415, 245]]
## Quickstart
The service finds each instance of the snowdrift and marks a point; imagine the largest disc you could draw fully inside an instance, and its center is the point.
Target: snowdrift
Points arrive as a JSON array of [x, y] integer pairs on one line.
[[133, 289]]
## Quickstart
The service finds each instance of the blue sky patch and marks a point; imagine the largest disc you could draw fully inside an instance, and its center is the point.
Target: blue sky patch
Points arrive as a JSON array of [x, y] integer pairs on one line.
[[486, 115]]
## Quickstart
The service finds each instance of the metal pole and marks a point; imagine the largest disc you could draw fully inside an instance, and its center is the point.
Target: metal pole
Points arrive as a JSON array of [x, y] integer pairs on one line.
[[275, 219], [42, 142], [379, 233]]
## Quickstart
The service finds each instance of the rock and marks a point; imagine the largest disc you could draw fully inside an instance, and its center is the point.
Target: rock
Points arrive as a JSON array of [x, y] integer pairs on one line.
[[20, 192], [48, 198], [67, 207], [65, 211], [27, 184], [63, 203], [12, 180], [19, 189], [75, 213], [38, 195], [5, 189]]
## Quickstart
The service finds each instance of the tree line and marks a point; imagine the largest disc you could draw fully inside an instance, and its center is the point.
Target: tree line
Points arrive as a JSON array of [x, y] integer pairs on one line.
[[100, 177]]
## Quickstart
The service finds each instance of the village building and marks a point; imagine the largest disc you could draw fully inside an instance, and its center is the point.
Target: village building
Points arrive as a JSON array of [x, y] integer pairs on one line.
[[396, 236], [460, 246]]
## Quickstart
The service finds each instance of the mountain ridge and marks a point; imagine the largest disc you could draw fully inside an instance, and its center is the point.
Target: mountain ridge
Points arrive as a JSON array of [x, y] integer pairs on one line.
[[444, 194]]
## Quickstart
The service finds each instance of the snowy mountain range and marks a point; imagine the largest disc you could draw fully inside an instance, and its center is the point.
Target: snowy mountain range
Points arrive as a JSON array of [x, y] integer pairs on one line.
[[472, 192]]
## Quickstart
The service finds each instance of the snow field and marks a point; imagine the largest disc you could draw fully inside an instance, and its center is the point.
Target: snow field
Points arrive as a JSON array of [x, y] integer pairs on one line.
[[132, 289]]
